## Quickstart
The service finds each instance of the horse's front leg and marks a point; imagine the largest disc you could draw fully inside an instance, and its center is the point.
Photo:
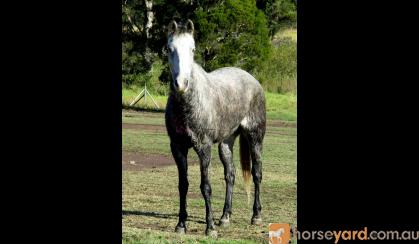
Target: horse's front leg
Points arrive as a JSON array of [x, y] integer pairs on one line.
[[204, 154], [180, 154]]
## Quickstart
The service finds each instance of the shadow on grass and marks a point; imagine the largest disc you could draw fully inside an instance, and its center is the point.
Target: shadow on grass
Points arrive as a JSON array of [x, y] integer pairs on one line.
[[150, 214], [160, 215]]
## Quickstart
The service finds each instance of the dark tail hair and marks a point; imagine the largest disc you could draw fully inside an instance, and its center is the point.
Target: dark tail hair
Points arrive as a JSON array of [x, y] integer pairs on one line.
[[245, 164]]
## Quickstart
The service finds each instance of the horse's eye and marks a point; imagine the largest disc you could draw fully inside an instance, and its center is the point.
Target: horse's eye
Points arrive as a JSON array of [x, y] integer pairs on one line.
[[193, 49]]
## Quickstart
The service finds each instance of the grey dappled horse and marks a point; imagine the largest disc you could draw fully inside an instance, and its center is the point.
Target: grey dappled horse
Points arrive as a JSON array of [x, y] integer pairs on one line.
[[206, 108]]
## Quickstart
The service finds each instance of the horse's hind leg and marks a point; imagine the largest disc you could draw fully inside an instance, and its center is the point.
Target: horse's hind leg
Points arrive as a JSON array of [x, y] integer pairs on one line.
[[255, 139], [225, 150], [180, 155]]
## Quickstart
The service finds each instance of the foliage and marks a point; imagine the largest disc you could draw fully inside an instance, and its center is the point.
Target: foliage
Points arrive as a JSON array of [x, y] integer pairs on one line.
[[280, 13], [135, 58], [233, 33], [227, 33], [279, 72]]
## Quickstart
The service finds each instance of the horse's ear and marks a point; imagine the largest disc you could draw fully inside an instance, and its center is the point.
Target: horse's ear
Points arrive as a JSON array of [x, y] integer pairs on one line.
[[172, 27], [189, 26]]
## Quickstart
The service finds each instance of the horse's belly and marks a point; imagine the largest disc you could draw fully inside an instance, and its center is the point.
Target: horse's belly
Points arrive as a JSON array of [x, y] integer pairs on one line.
[[225, 133]]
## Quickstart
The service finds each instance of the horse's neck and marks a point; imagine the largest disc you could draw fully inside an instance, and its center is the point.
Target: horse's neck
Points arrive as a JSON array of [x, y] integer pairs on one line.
[[198, 102], [199, 80]]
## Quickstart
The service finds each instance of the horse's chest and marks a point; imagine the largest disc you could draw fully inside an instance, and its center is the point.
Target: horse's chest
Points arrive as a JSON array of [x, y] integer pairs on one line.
[[190, 130], [179, 125]]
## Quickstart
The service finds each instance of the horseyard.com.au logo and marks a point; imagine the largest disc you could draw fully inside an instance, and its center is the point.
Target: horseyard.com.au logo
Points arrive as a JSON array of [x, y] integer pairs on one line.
[[279, 233]]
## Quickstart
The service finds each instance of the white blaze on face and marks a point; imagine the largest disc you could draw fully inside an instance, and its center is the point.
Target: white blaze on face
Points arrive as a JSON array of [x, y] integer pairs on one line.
[[181, 53]]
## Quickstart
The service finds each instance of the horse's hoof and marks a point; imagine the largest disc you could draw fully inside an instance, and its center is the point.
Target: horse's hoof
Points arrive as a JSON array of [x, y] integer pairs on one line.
[[180, 230], [224, 222], [211, 233], [256, 221]]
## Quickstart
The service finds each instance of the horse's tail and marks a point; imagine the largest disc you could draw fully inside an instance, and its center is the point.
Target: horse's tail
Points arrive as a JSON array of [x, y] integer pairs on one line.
[[245, 164]]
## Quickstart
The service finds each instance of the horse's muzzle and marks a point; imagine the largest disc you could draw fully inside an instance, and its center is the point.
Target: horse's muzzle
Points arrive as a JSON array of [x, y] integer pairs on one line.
[[181, 87]]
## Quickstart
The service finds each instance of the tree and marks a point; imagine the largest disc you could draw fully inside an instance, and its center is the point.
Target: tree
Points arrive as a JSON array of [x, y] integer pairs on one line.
[[279, 13], [231, 33], [228, 33], [135, 58]]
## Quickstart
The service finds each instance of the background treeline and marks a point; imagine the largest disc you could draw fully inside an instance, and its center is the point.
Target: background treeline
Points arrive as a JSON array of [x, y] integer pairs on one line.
[[258, 36]]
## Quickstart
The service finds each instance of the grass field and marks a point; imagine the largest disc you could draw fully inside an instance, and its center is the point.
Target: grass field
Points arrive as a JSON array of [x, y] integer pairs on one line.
[[150, 195], [129, 94]]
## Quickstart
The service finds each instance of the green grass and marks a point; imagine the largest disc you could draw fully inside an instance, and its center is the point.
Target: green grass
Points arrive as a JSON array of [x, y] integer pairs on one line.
[[278, 106], [134, 236], [281, 106], [150, 119], [150, 197], [129, 94]]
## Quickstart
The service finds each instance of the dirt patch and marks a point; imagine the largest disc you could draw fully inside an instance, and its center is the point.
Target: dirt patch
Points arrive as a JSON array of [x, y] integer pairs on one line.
[[278, 133], [133, 113], [162, 128], [270, 122], [279, 123], [133, 161], [148, 127]]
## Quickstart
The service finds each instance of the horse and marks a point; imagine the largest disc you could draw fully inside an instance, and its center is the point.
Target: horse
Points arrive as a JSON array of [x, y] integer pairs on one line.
[[209, 108], [276, 235]]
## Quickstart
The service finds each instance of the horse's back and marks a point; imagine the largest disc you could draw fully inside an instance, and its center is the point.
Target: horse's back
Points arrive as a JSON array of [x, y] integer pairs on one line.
[[237, 82], [237, 76]]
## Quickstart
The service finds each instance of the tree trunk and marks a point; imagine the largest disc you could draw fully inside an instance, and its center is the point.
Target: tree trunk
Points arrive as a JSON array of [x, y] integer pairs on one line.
[[150, 17]]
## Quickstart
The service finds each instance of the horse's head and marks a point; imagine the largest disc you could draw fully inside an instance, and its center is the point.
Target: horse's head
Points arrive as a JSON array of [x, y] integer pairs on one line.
[[181, 47]]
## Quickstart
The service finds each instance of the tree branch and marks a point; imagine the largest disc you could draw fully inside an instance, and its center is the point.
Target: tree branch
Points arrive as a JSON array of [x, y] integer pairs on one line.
[[134, 27]]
